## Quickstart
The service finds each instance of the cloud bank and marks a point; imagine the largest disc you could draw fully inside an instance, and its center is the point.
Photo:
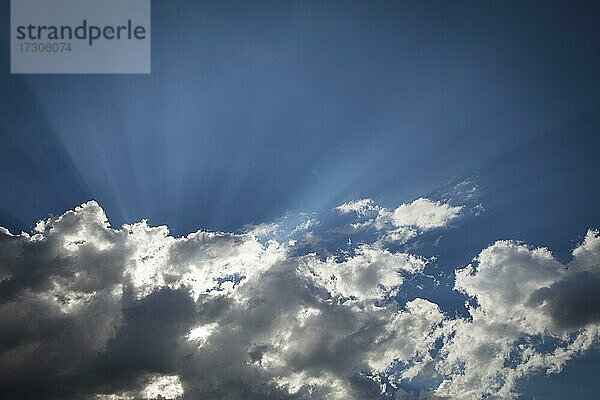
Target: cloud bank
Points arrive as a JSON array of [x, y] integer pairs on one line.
[[94, 312]]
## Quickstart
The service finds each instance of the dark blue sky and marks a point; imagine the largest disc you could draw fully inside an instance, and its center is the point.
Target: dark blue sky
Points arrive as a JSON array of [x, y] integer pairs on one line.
[[254, 110]]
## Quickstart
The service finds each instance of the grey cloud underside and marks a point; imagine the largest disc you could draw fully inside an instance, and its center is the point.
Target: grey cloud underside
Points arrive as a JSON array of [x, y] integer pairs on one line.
[[92, 312], [571, 302]]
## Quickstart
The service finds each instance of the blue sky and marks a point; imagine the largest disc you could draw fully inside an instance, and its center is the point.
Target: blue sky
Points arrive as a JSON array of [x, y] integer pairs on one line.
[[258, 110]]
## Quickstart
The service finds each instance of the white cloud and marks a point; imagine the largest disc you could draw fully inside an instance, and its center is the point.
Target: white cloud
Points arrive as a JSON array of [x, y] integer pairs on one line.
[[163, 386], [506, 275], [515, 288], [369, 274], [94, 311], [360, 207], [221, 306], [200, 334], [421, 213], [402, 223]]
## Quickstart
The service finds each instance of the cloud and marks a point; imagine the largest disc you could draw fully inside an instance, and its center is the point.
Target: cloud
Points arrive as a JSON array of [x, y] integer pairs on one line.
[[528, 317], [402, 223], [422, 213], [574, 300], [91, 311], [360, 207]]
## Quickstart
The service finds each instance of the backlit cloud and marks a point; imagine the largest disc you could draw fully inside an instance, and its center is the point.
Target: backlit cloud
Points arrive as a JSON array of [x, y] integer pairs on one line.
[[91, 311], [402, 223]]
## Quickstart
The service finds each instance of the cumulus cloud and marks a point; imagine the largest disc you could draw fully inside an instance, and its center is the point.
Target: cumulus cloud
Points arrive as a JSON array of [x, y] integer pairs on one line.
[[527, 317], [402, 223], [574, 300], [421, 213], [94, 312], [89, 310]]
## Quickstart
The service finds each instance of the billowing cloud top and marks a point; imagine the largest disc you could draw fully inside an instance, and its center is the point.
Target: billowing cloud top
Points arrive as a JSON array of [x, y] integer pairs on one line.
[[93, 312]]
